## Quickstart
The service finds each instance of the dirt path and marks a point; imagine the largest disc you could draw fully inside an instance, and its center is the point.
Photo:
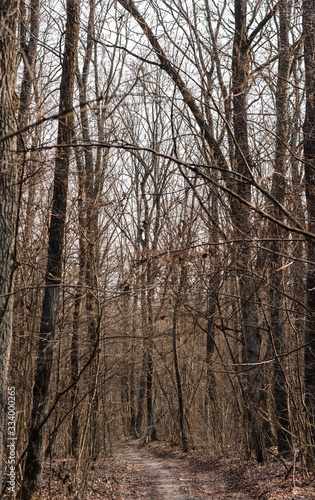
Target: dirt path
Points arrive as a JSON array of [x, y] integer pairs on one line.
[[150, 477], [158, 471]]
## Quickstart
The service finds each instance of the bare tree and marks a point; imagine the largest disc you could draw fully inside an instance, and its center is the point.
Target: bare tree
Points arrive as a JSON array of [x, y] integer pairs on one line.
[[309, 157], [32, 481], [278, 190], [8, 194], [178, 248], [29, 50], [241, 187]]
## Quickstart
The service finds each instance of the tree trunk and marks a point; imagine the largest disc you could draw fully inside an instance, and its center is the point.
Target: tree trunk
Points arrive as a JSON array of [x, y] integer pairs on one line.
[[309, 156], [275, 233], [132, 394], [35, 456], [78, 299], [150, 364], [29, 54], [212, 301], [92, 210], [241, 218], [176, 364], [210, 399], [8, 195], [141, 393]]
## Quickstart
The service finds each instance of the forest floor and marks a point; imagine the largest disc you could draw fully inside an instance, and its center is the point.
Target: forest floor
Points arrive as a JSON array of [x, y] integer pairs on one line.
[[160, 472]]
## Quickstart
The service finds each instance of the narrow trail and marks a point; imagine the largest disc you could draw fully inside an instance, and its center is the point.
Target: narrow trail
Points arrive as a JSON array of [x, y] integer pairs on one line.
[[149, 477], [152, 478], [158, 471]]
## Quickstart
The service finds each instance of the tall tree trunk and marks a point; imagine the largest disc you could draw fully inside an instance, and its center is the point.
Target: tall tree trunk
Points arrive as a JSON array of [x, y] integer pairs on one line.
[[132, 394], [32, 482], [212, 300], [29, 52], [140, 281], [241, 218], [141, 393], [309, 156], [8, 194], [150, 364], [92, 261], [78, 299], [147, 281], [275, 233], [176, 364]]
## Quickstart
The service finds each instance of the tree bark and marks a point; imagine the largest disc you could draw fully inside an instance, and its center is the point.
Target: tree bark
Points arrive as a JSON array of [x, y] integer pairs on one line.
[[309, 157], [278, 190], [32, 482], [78, 299], [29, 52], [212, 301], [176, 363], [141, 393], [241, 218], [92, 229], [8, 194]]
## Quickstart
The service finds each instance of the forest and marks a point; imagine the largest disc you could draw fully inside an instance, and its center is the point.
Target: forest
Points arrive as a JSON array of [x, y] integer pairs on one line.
[[157, 230]]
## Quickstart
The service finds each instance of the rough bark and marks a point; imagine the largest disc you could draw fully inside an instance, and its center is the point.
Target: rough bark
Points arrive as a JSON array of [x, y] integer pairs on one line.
[[309, 157], [132, 394], [146, 292], [29, 51], [180, 395], [35, 456], [275, 232], [150, 363], [242, 221], [8, 195], [92, 230], [78, 299], [141, 394], [213, 293], [140, 282]]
